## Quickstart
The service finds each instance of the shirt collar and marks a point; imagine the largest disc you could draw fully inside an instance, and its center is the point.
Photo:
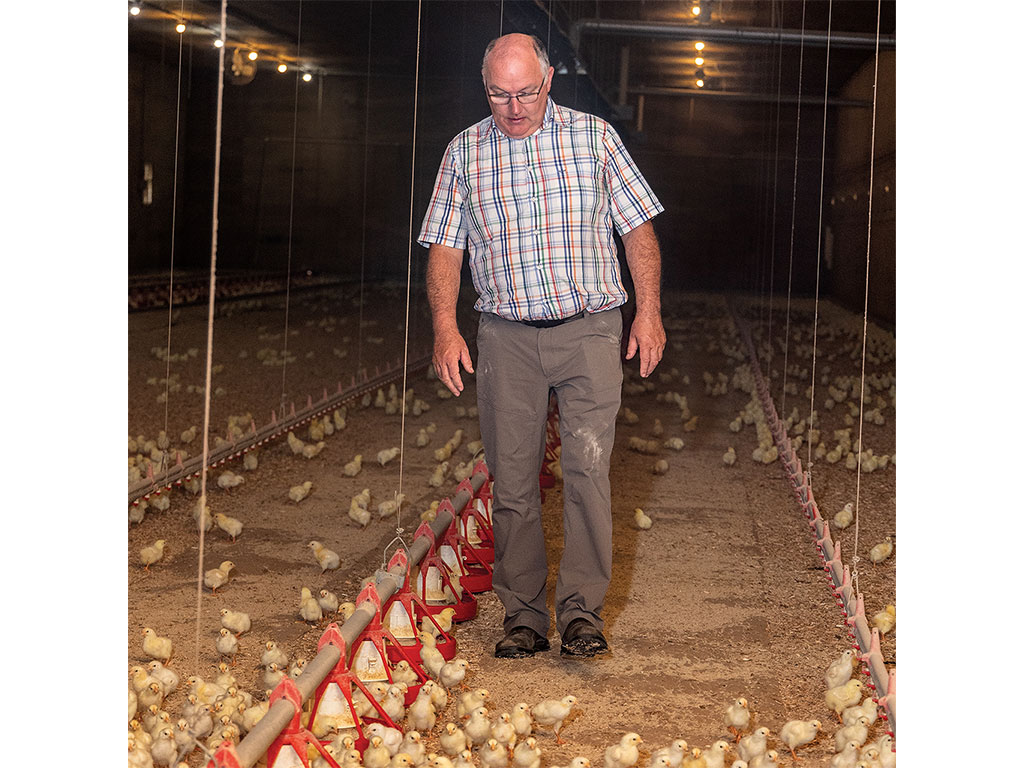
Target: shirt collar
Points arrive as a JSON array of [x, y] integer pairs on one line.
[[553, 115]]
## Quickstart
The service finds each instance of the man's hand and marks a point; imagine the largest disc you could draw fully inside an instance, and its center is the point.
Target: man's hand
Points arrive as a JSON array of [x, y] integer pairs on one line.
[[449, 350], [647, 335]]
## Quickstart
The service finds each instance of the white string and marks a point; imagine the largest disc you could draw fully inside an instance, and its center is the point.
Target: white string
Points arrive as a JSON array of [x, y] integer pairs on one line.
[[864, 339], [817, 271], [209, 324], [792, 220], [775, 197], [164, 460], [291, 215]]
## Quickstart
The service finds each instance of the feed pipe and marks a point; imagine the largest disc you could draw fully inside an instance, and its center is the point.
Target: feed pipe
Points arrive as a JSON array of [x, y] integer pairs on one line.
[[866, 640], [184, 470], [256, 743], [758, 35]]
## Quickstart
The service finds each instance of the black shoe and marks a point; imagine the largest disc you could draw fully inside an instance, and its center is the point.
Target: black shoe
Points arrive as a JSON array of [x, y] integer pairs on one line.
[[581, 638], [520, 642]]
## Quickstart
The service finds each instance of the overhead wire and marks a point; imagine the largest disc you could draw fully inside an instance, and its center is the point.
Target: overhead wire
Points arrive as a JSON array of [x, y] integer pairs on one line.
[[864, 337], [366, 174]]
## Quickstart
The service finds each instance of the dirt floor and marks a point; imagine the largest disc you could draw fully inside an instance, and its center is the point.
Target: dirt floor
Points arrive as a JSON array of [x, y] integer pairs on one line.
[[724, 596]]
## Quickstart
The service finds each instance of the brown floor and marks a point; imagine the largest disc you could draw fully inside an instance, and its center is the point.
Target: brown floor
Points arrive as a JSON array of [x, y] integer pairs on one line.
[[723, 597]]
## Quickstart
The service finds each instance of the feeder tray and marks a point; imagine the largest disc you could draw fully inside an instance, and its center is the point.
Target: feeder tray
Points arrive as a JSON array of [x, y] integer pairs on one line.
[[406, 602]]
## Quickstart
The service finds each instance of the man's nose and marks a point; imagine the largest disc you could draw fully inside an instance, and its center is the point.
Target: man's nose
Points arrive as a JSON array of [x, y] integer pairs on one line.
[[515, 107]]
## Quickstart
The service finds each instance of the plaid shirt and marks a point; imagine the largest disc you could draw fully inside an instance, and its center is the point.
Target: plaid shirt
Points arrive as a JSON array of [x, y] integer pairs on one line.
[[537, 214]]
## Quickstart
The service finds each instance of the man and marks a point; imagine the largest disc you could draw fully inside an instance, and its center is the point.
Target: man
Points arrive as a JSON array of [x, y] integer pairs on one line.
[[533, 192]]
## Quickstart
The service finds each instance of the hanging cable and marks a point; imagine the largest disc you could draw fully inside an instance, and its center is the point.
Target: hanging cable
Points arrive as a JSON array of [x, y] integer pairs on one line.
[[864, 339], [366, 166], [291, 214], [209, 325], [817, 266], [408, 284], [792, 220], [170, 287]]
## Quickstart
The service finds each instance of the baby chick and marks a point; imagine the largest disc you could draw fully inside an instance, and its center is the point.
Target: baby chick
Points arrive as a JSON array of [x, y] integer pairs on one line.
[[420, 715], [673, 754], [298, 492], [881, 551], [729, 457], [754, 744], [797, 733], [165, 675], [641, 519], [156, 647], [767, 759], [429, 655], [227, 643], [842, 696], [714, 756], [229, 479], [840, 670], [675, 443], [453, 673], [626, 753], [232, 526], [359, 514], [844, 516], [470, 700], [376, 755], [273, 675], [237, 621], [552, 712], [152, 554], [696, 759], [856, 733], [328, 601], [522, 720], [453, 739], [660, 467], [309, 608], [273, 655], [327, 558], [383, 457], [493, 755], [737, 717], [867, 708], [885, 620], [389, 507], [846, 758], [526, 754], [478, 727], [352, 468], [218, 577]]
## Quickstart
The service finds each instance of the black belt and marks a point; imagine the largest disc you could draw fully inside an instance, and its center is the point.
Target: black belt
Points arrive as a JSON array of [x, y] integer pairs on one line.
[[551, 323]]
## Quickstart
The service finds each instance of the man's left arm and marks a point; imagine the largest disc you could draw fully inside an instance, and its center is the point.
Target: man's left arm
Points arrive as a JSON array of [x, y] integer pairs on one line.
[[647, 334]]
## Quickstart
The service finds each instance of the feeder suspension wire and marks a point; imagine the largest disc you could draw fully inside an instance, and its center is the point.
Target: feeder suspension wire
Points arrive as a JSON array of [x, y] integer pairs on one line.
[[817, 266], [792, 221], [366, 168], [775, 197], [174, 213], [291, 213], [864, 337], [209, 322]]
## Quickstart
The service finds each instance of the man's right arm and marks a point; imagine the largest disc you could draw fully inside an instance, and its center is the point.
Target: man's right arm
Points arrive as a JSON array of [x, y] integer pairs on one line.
[[444, 270]]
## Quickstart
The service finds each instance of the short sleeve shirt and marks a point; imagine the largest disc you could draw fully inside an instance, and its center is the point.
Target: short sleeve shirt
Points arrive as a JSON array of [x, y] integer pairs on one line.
[[537, 214]]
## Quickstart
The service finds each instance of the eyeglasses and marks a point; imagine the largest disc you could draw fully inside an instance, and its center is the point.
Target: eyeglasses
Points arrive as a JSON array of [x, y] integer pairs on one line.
[[502, 99]]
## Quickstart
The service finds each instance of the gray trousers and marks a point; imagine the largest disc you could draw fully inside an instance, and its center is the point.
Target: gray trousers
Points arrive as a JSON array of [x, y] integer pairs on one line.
[[517, 367]]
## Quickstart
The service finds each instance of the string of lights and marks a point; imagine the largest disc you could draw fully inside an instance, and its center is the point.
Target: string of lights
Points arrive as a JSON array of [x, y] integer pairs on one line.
[[244, 50]]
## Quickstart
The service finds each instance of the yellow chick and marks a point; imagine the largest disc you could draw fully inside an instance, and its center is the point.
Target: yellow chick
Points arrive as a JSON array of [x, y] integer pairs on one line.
[[753, 745], [273, 655], [359, 514], [218, 577], [250, 461], [443, 618], [691, 425], [844, 516], [696, 759], [660, 467], [453, 739], [729, 457], [552, 712], [228, 480], [383, 457], [881, 551], [840, 670], [626, 753], [842, 696], [156, 647], [232, 526], [346, 610], [885, 620], [327, 558], [298, 492], [236, 621], [295, 443], [389, 507], [641, 520], [227, 643], [328, 601], [453, 673], [309, 608], [352, 468], [797, 733], [152, 554], [737, 717], [675, 443]]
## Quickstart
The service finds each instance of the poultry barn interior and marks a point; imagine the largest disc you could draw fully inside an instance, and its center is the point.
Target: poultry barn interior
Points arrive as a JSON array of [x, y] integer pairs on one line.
[[274, 278]]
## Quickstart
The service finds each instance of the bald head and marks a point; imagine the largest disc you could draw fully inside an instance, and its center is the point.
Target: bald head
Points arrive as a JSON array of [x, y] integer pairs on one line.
[[517, 47]]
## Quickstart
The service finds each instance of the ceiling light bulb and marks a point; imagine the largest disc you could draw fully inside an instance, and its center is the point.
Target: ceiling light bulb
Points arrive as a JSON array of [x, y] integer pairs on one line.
[[307, 77], [282, 68], [699, 61], [180, 28], [218, 43], [134, 10], [696, 10], [253, 55], [700, 83], [699, 46]]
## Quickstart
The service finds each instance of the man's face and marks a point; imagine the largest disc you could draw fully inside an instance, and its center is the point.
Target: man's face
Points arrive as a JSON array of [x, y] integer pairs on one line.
[[513, 74]]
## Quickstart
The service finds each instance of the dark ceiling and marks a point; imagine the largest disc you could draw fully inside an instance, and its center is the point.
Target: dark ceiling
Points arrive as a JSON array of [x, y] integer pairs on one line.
[[631, 51]]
